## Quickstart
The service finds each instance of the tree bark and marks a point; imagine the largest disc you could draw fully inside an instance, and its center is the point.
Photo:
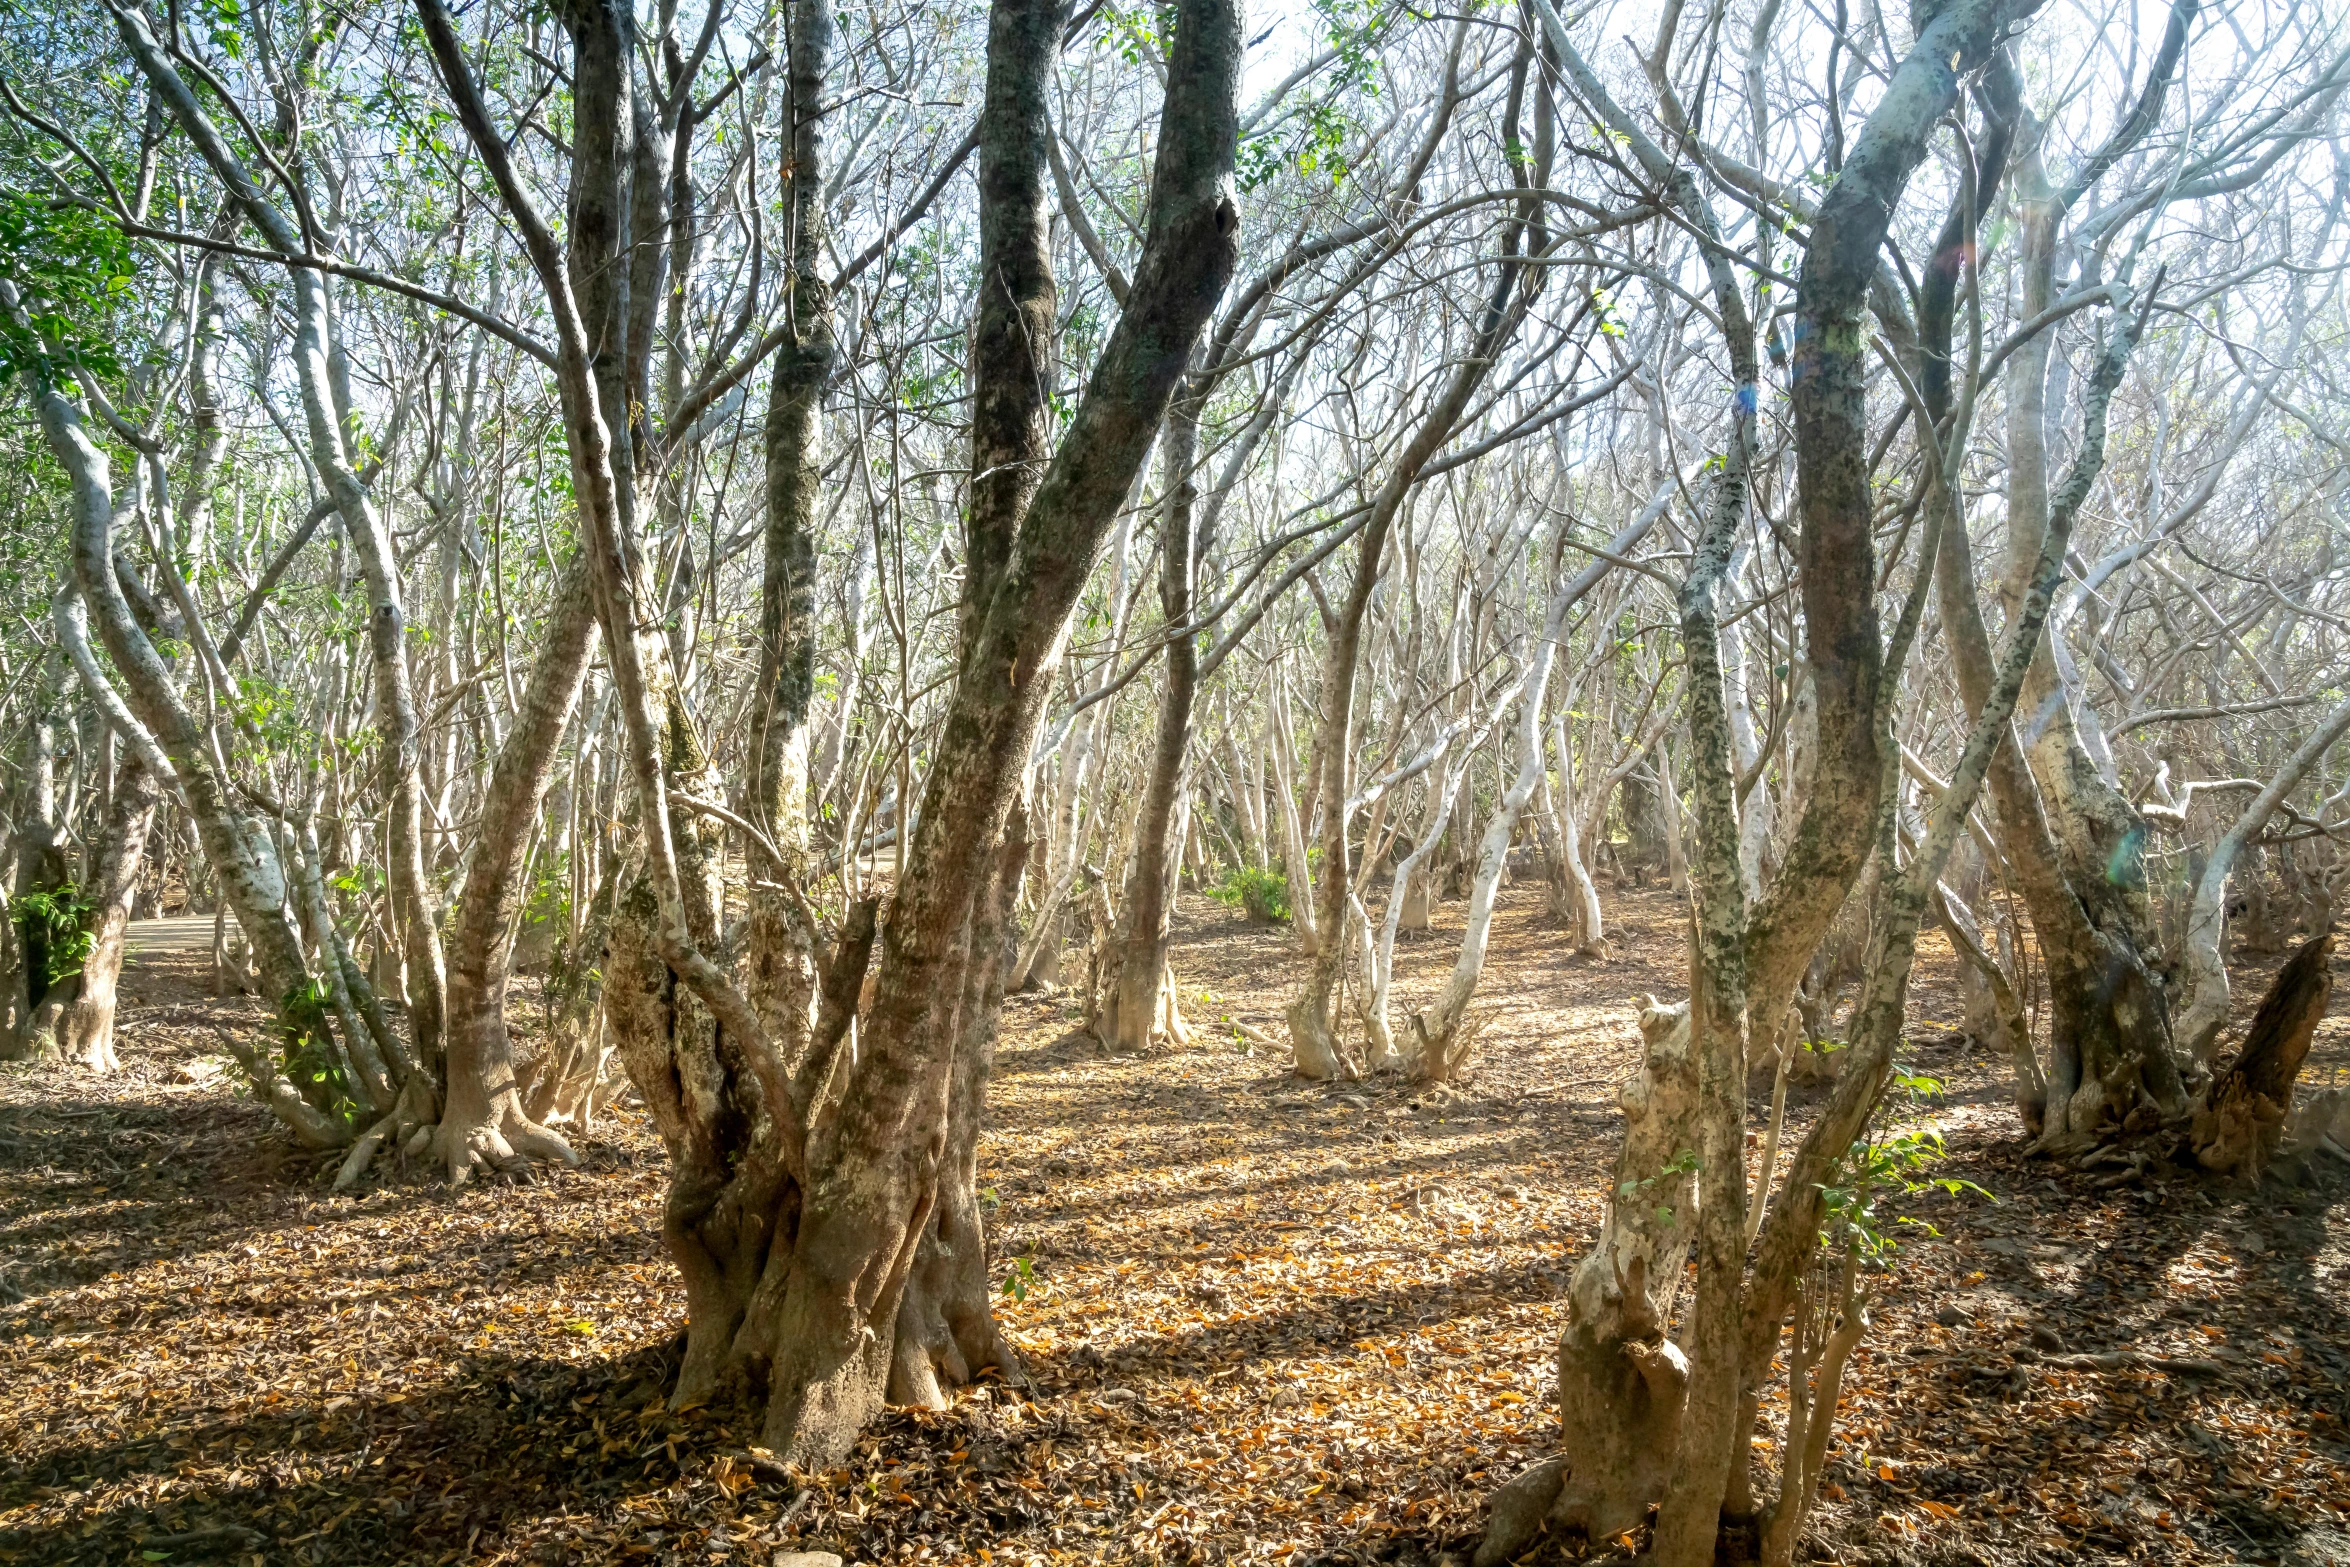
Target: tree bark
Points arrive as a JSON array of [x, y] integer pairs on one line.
[[483, 1120], [1742, 962], [171, 744], [809, 1241], [85, 1031], [1440, 1023], [327, 427], [2239, 1129], [2072, 841], [1139, 1011], [1312, 1035], [876, 1168], [1622, 1383], [2207, 971]]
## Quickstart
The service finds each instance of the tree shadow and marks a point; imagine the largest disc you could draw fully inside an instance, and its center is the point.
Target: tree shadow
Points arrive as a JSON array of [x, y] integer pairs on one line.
[[385, 1478], [92, 1187]]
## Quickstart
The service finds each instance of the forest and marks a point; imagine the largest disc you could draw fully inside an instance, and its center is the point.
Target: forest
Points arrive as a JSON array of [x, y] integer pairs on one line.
[[1069, 782]]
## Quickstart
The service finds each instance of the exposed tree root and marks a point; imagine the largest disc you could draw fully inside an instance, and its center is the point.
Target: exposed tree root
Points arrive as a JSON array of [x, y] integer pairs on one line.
[[410, 1114], [499, 1138]]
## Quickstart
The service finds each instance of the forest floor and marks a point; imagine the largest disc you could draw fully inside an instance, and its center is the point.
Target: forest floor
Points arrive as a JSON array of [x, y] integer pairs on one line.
[[1263, 1321]]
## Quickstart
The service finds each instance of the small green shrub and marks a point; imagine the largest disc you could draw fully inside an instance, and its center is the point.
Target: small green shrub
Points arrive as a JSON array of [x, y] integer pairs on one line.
[[52, 926], [1263, 895]]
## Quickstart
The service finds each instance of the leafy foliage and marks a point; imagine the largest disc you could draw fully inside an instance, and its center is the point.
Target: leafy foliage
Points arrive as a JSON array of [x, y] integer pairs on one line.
[[72, 270], [1313, 140], [54, 928], [1892, 1163], [307, 1056], [1260, 893]]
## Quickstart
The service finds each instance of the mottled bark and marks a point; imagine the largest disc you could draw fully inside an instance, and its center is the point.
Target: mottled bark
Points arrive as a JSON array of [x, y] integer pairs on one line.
[[736, 1112], [1789, 1237], [1622, 1383], [2072, 841], [809, 1240], [946, 1328], [875, 1175], [1741, 962], [483, 1120]]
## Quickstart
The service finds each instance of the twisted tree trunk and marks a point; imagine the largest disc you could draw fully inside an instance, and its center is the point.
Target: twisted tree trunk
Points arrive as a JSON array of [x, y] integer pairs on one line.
[[2073, 840], [171, 744], [1622, 1383], [329, 427], [807, 1187], [1312, 1033]]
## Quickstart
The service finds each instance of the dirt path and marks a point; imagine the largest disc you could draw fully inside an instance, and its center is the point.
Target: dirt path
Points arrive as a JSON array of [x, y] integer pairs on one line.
[[156, 938], [1265, 1322]]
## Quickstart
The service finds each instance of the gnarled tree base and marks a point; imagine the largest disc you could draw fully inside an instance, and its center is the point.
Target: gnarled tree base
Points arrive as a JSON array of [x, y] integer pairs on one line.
[[947, 1335], [1622, 1383], [498, 1135], [407, 1126]]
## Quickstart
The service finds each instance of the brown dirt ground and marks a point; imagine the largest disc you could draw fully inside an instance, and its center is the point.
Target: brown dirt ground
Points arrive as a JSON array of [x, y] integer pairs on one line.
[[1265, 1321]]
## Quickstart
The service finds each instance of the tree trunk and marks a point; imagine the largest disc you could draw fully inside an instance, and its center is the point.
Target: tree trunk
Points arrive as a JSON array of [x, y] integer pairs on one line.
[[1621, 1382], [807, 1176], [2207, 971], [1586, 921], [2239, 1130], [85, 1032], [2111, 1072], [329, 428], [1312, 1036], [169, 743], [40, 872], [483, 1120], [1443, 1053], [1743, 962], [1280, 736], [946, 1327], [1136, 1013]]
